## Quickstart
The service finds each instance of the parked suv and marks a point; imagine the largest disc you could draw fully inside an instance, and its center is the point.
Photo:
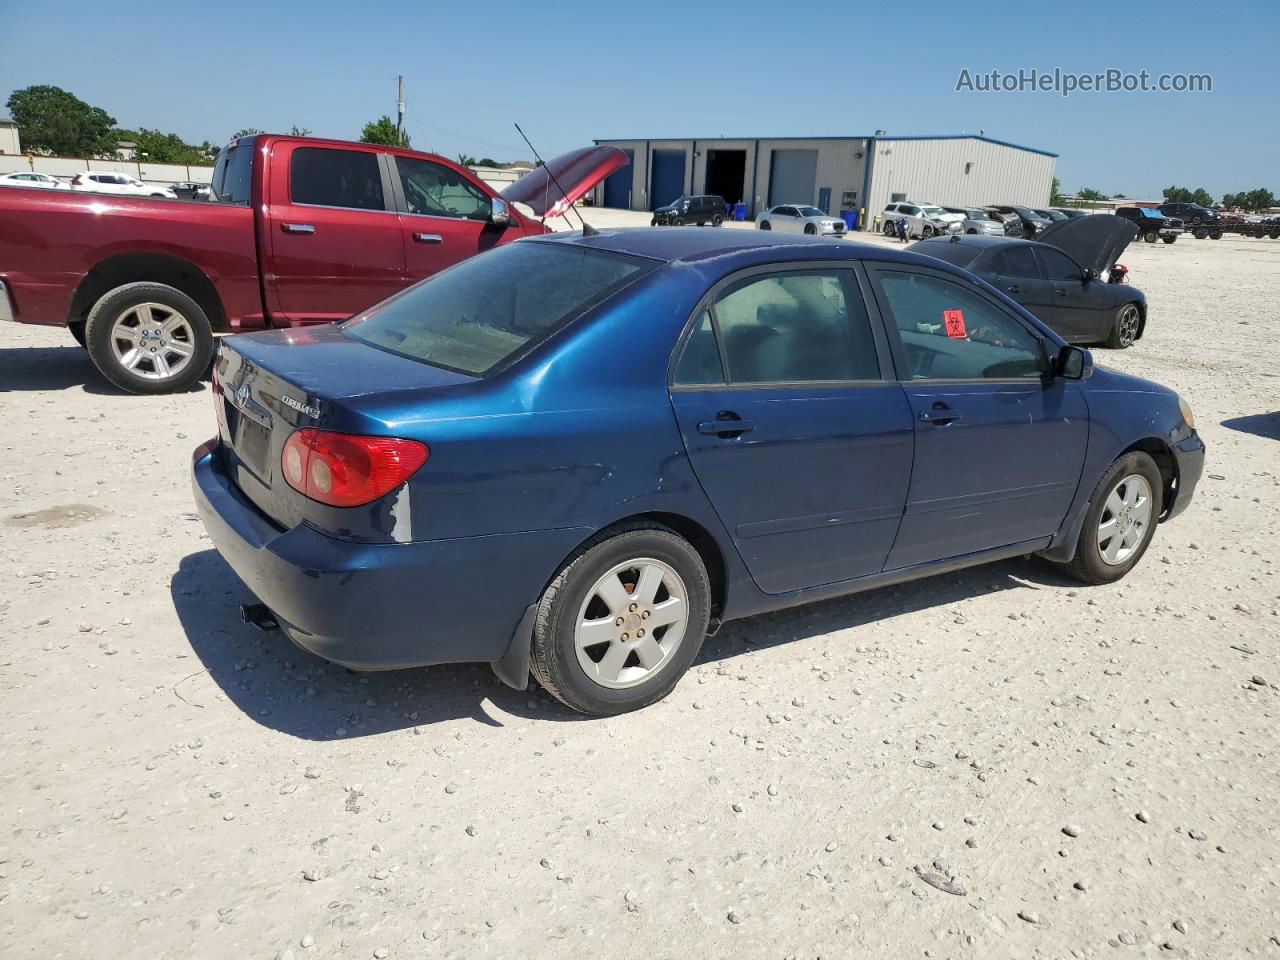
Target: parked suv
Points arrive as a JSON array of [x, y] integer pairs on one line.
[[1152, 224], [1032, 222], [923, 219], [119, 183], [1191, 213], [977, 221], [699, 210]]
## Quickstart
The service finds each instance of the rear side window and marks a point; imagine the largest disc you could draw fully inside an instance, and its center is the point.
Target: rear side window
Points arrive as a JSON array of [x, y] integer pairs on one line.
[[950, 332], [490, 310], [231, 179], [796, 328], [1016, 261], [699, 363], [335, 178]]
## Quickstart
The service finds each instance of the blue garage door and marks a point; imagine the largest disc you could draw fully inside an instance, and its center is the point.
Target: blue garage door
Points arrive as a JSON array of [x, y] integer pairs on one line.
[[617, 186], [792, 176], [667, 180]]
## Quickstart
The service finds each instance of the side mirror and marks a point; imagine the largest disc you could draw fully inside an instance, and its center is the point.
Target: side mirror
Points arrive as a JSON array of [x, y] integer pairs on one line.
[[1089, 274], [500, 212], [1074, 363]]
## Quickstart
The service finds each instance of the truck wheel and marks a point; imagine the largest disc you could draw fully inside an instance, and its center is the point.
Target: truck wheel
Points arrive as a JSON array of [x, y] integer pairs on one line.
[[1216, 235], [622, 620], [149, 338], [1200, 233], [1168, 239], [1151, 236]]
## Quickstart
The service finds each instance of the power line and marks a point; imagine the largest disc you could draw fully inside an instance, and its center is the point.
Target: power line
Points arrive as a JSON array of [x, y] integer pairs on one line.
[[463, 136]]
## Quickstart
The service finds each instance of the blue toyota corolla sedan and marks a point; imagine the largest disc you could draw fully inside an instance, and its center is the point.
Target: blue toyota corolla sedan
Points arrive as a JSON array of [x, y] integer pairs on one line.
[[576, 455]]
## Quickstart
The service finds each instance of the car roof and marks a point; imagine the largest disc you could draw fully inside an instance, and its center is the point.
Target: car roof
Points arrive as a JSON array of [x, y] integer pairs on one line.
[[682, 245]]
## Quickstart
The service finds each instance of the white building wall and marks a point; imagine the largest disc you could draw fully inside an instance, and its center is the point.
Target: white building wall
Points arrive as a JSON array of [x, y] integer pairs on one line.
[[67, 167], [840, 166], [968, 172], [9, 142]]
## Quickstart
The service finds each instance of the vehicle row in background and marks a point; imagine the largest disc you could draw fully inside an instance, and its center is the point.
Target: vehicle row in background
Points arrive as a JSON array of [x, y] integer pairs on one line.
[[1152, 224]]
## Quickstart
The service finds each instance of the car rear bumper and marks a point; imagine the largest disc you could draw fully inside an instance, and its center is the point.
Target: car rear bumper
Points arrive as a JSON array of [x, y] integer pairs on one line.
[[380, 606], [1188, 456]]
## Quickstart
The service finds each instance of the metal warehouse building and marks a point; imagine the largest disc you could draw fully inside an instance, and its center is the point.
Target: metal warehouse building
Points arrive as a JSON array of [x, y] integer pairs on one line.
[[832, 173]]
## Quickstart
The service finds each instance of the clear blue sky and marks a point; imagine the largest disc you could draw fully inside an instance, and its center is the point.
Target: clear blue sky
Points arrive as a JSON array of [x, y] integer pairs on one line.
[[570, 72]]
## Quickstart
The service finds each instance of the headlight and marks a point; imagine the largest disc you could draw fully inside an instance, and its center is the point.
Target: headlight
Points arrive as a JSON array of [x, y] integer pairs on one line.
[[1187, 416]]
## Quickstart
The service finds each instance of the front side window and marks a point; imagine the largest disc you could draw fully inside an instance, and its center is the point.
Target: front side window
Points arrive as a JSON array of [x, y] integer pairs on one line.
[[950, 332], [325, 177], [796, 327], [1058, 266], [488, 311], [435, 190], [1016, 261]]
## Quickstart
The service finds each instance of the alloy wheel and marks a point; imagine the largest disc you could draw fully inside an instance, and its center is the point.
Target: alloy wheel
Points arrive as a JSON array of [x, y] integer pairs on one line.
[[1127, 324], [631, 623], [152, 341], [1126, 515]]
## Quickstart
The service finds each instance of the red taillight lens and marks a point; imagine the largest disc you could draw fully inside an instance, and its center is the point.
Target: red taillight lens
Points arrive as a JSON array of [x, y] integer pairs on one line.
[[345, 470]]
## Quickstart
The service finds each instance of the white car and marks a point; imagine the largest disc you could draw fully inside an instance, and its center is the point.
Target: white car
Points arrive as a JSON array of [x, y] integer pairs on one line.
[[795, 218], [119, 183], [38, 180], [923, 219]]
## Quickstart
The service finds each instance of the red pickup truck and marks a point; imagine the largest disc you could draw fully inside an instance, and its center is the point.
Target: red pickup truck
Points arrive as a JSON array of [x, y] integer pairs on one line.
[[297, 230]]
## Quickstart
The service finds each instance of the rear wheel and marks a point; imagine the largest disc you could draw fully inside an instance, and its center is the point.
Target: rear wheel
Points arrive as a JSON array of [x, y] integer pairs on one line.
[[1120, 520], [622, 621], [765, 225], [890, 230], [1168, 239], [149, 338], [1216, 235], [717, 220], [1124, 328], [1200, 234]]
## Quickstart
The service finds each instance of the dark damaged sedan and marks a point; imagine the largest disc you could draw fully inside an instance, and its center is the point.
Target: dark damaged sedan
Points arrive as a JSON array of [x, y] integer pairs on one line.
[[576, 455]]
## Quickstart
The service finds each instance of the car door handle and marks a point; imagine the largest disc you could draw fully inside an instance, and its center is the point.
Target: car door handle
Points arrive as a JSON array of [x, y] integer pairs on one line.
[[1014, 289], [725, 427], [940, 415], [428, 238], [303, 228], [1060, 292]]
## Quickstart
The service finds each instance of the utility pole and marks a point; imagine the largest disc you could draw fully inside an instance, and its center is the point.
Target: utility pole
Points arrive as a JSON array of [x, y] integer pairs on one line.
[[400, 109]]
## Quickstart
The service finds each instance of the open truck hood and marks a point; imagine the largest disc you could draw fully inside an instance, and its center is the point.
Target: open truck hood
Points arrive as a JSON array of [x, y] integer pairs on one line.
[[1095, 241], [576, 171]]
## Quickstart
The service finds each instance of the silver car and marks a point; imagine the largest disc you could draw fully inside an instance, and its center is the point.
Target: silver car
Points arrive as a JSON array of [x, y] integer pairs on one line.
[[796, 218], [977, 221]]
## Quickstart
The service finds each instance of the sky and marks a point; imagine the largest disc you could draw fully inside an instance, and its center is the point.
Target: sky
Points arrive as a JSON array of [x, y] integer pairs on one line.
[[571, 72]]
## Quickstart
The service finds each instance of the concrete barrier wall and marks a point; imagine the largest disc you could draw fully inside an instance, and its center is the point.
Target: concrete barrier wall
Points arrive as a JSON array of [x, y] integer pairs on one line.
[[67, 167]]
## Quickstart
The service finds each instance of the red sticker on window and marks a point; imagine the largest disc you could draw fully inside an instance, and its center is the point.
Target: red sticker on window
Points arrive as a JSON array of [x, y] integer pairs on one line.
[[954, 320]]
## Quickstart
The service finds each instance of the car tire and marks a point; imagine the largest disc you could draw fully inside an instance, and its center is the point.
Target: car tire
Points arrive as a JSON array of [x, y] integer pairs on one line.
[[1118, 501], [1169, 239], [926, 232], [610, 676], [1125, 326], [890, 230], [1151, 236], [810, 229], [717, 220], [765, 225], [653, 222], [971, 231], [1216, 235], [1200, 234], [171, 336], [678, 222]]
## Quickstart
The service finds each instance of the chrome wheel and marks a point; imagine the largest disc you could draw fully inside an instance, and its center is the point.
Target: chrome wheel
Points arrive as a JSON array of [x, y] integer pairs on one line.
[[1126, 515], [152, 341], [1127, 325], [631, 623]]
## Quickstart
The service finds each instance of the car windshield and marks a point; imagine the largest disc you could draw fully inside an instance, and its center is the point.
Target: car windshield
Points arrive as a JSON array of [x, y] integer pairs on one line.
[[933, 211], [489, 311], [811, 212], [977, 215]]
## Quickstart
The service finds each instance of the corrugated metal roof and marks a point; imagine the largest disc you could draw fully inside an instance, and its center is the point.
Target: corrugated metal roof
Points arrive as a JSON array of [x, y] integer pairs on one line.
[[936, 136]]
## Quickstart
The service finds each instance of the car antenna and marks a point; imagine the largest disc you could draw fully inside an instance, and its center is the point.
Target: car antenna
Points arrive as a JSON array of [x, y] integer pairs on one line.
[[587, 229]]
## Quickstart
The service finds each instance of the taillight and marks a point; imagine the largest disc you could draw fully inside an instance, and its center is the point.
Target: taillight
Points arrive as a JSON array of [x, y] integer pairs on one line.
[[345, 470]]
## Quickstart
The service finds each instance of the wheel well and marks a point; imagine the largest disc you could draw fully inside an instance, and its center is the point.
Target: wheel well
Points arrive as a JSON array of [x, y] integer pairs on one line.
[[1142, 318], [151, 267], [1158, 451]]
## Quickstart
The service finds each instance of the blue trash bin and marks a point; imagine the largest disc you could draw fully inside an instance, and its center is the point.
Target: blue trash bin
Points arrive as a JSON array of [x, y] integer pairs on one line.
[[740, 211], [850, 218]]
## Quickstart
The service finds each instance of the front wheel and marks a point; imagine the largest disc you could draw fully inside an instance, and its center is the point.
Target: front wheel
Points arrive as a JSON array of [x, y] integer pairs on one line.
[[1120, 520], [1124, 328], [810, 229], [1216, 235], [149, 338], [890, 230], [678, 222], [717, 220], [1151, 236], [1168, 239], [926, 231], [622, 621]]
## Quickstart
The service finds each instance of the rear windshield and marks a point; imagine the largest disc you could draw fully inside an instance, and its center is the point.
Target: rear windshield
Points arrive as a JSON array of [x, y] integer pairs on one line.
[[231, 172], [488, 311]]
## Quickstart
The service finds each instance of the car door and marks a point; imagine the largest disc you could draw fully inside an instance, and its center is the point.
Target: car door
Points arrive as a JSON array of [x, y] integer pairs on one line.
[[1076, 317], [1017, 273], [999, 444], [335, 245], [784, 396], [444, 217], [915, 220], [783, 218]]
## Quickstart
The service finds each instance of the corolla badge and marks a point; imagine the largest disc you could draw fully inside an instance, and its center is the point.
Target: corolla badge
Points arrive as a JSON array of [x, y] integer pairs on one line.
[[301, 407]]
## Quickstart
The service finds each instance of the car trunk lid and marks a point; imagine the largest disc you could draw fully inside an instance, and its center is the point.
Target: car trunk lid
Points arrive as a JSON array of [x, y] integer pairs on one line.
[[551, 189]]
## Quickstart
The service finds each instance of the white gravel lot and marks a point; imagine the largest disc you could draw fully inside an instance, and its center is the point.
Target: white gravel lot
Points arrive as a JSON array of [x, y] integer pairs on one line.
[[1080, 771]]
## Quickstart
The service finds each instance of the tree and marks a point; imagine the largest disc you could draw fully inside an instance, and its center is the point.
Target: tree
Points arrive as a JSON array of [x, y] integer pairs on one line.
[[1255, 200], [466, 160], [299, 131], [157, 147], [383, 131], [1055, 194], [58, 122], [1088, 193], [1182, 195], [246, 132]]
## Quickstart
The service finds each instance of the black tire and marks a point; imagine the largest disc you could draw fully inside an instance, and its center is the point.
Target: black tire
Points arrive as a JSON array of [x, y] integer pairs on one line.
[[926, 231], [890, 230], [717, 220], [1200, 234], [1088, 565], [765, 225], [653, 222], [118, 302], [1151, 236], [678, 222], [702, 223], [554, 661], [810, 229], [1216, 235], [971, 231], [77, 331], [1169, 239], [1125, 326]]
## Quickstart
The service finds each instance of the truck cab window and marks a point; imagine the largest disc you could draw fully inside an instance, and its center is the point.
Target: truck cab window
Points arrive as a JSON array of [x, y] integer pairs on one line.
[[336, 178], [434, 190]]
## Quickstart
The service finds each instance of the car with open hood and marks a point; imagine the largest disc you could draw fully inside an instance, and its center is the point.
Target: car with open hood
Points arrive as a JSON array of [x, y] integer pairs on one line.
[[1062, 278], [575, 455]]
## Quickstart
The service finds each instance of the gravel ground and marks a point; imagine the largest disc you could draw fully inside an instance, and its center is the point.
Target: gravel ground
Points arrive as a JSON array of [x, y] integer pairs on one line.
[[994, 763]]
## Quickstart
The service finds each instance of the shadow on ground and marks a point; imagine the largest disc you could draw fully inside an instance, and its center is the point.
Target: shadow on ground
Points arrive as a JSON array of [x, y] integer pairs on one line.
[[1259, 424], [289, 690], [55, 368]]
